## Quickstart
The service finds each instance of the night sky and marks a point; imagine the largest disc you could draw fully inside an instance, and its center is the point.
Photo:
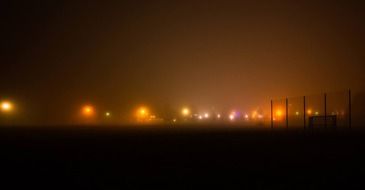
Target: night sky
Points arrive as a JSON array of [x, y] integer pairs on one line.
[[57, 55]]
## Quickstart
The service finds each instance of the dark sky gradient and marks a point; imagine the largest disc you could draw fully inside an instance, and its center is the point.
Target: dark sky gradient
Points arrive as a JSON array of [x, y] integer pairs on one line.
[[58, 55]]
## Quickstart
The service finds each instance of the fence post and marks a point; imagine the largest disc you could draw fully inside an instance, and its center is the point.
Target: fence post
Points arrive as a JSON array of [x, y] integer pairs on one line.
[[350, 109], [286, 113], [272, 118], [304, 113], [325, 109]]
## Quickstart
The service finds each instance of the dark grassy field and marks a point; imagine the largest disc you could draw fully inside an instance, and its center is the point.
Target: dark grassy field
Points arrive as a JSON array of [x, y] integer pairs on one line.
[[118, 157]]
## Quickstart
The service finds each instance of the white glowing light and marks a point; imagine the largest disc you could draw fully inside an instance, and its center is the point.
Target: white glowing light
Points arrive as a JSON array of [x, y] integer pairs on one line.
[[6, 106], [206, 115]]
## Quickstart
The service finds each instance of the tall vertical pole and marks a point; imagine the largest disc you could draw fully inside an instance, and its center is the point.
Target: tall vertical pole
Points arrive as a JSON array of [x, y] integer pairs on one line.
[[287, 113], [325, 109], [272, 116], [304, 113], [350, 109]]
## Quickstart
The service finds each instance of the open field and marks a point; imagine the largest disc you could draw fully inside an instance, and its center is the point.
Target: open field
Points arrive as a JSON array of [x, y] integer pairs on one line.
[[110, 157]]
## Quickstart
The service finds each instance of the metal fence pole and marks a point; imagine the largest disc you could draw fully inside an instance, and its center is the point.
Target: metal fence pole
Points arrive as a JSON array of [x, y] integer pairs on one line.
[[272, 118], [304, 112], [350, 122], [325, 109], [287, 113]]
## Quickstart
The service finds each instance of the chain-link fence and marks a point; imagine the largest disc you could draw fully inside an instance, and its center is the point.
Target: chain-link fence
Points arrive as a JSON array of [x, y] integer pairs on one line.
[[320, 110]]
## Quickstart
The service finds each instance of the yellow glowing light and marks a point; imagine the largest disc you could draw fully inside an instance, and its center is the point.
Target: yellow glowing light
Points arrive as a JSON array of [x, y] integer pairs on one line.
[[200, 117], [88, 110], [231, 117], [142, 111], [107, 114], [185, 111], [6, 106], [316, 113], [206, 115], [218, 116], [279, 113], [297, 113]]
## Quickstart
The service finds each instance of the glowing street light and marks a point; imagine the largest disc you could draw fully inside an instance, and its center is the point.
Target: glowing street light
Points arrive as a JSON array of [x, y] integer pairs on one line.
[[88, 111], [254, 114], [279, 113], [206, 115], [309, 112], [247, 116], [7, 106], [218, 116], [231, 117], [185, 112], [107, 114], [142, 111], [142, 114]]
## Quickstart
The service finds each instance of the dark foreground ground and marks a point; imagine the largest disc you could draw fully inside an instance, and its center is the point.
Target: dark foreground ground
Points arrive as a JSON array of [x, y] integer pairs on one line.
[[115, 158]]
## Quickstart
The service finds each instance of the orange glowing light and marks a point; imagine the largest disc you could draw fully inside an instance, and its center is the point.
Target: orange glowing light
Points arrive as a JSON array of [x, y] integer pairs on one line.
[[142, 114], [254, 114], [279, 113], [88, 111], [309, 112]]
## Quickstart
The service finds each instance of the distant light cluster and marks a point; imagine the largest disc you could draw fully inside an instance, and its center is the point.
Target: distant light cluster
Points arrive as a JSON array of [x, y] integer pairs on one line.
[[144, 115]]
